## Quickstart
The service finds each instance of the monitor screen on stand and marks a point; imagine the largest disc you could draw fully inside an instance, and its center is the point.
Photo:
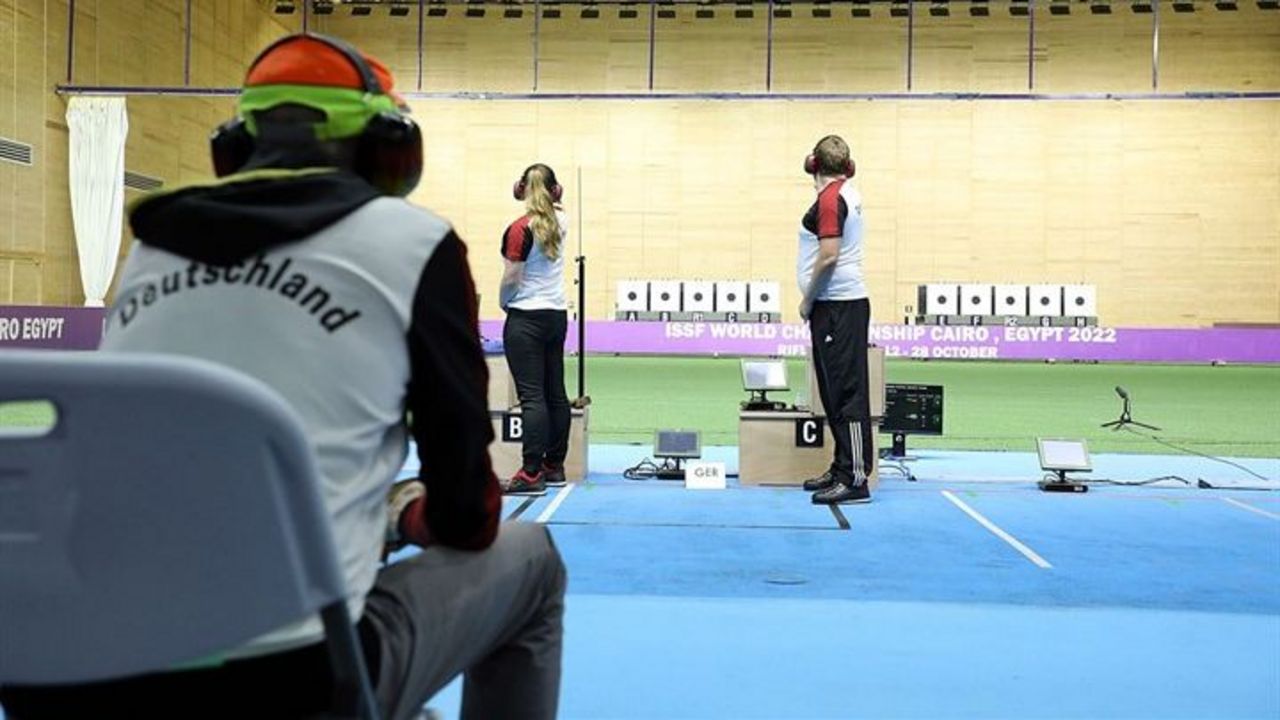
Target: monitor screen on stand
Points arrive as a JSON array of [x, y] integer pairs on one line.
[[1061, 456], [759, 377], [673, 447], [911, 410]]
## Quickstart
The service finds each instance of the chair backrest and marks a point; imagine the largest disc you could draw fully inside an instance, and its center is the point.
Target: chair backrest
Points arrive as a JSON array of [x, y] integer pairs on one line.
[[171, 512]]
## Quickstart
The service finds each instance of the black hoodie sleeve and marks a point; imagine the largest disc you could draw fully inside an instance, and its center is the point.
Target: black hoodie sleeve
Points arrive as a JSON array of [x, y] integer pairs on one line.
[[448, 401]]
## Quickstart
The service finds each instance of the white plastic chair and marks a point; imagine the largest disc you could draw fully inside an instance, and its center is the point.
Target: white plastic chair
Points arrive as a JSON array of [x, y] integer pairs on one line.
[[170, 513]]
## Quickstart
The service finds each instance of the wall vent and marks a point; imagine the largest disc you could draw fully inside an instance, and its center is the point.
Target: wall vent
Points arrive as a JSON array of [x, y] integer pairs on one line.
[[138, 181], [15, 152]]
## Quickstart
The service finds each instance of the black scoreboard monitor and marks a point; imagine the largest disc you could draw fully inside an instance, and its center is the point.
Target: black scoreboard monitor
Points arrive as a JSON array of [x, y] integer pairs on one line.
[[912, 409]]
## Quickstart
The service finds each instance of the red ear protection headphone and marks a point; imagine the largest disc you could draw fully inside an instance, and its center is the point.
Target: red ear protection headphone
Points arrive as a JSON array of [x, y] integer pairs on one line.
[[553, 187], [389, 151], [811, 163]]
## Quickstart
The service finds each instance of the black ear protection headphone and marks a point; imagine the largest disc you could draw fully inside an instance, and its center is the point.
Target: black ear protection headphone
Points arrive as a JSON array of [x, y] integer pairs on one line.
[[389, 150], [811, 162], [553, 187]]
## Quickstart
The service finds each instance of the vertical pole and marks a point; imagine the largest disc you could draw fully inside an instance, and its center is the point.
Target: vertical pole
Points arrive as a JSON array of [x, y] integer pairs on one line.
[[582, 300], [186, 51], [768, 51], [421, 29], [911, 37], [582, 324], [1155, 45], [653, 13], [71, 39], [537, 26], [1031, 45], [306, 15]]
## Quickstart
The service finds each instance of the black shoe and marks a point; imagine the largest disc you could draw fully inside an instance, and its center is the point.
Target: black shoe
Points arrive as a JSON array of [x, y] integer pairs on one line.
[[553, 474], [822, 482], [841, 494]]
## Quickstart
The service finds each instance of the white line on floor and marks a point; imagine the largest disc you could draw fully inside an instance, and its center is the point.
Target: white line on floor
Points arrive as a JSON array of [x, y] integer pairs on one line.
[[995, 530], [1250, 508], [555, 502]]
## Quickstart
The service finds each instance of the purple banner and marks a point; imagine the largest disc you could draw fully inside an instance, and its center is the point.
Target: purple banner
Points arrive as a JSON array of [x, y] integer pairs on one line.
[[1192, 345], [51, 328], [80, 328]]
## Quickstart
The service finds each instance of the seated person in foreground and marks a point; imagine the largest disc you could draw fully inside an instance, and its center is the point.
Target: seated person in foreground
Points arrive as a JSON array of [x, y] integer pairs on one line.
[[304, 268]]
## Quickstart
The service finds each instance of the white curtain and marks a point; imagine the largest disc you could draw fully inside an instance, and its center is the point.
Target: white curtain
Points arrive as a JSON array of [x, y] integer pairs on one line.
[[99, 126]]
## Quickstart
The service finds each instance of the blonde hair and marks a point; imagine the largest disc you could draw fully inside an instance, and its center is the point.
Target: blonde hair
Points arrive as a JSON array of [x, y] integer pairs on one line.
[[541, 206]]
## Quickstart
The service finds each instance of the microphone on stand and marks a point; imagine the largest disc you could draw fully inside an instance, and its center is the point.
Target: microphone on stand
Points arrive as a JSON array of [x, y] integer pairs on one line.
[[1125, 418]]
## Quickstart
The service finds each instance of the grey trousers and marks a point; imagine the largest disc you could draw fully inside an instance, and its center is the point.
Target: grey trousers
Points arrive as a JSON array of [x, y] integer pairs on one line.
[[495, 616]]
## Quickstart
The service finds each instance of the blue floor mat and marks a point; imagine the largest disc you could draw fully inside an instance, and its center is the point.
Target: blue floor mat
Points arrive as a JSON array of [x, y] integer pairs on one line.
[[753, 603], [663, 657], [1118, 547]]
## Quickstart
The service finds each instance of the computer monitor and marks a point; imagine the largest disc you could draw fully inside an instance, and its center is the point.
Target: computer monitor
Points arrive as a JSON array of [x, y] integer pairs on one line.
[[911, 410], [680, 444], [764, 375], [1063, 455]]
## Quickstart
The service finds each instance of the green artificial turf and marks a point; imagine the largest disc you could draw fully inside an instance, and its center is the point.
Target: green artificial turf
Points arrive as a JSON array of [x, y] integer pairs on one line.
[[1226, 410], [989, 406]]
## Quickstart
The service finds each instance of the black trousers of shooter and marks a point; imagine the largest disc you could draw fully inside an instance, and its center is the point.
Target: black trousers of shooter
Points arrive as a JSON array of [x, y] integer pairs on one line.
[[533, 341], [839, 329]]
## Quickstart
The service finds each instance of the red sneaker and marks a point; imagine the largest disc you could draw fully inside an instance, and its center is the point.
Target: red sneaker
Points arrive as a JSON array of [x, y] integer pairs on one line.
[[522, 483]]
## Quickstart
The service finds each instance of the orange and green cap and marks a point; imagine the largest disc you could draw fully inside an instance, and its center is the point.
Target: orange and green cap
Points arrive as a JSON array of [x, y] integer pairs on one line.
[[305, 70]]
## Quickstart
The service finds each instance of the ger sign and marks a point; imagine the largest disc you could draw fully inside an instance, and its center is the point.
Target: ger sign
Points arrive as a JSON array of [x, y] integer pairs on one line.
[[699, 475]]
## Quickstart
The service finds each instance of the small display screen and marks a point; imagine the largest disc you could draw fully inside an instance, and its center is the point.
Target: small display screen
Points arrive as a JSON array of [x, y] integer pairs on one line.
[[912, 409], [1064, 455], [764, 375], [677, 444]]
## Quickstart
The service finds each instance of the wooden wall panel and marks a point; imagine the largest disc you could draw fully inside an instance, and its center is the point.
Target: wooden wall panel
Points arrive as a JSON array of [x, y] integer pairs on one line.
[[6, 281], [607, 53], [59, 265], [139, 42], [10, 175], [1169, 207], [1084, 195], [489, 53], [28, 190], [1237, 187], [8, 70], [1080, 52], [1087, 53], [720, 54], [60, 280], [84, 42], [840, 53], [1214, 50], [24, 287], [22, 188], [960, 191], [982, 54], [54, 26]]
